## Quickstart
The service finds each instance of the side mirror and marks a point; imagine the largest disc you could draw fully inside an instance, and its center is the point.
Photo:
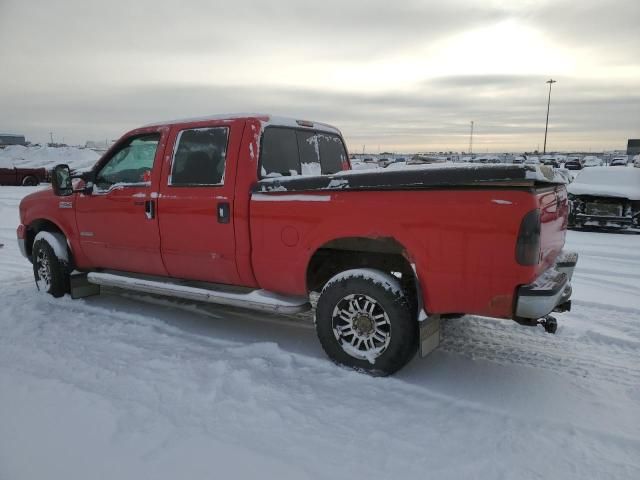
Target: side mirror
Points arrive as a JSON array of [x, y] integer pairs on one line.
[[61, 181]]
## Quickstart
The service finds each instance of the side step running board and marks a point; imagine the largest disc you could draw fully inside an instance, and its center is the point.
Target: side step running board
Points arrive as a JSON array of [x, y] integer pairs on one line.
[[261, 300]]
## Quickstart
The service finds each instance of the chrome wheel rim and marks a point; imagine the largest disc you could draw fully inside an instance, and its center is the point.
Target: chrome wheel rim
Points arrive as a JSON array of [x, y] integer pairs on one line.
[[43, 267], [361, 326]]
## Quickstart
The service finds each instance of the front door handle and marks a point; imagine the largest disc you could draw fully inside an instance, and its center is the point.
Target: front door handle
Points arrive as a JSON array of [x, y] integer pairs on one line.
[[150, 209], [224, 212]]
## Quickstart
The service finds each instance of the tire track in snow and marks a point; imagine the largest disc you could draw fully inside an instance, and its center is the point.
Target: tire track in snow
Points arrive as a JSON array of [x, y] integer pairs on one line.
[[588, 355]]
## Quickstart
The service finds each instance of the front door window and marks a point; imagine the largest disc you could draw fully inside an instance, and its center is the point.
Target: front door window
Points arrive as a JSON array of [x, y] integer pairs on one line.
[[131, 164]]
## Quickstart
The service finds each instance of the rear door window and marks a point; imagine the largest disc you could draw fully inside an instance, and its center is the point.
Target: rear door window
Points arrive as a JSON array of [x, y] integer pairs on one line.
[[199, 157]]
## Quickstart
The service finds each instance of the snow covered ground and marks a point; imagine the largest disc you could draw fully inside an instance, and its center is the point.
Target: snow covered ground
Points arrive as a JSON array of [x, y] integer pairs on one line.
[[127, 386]]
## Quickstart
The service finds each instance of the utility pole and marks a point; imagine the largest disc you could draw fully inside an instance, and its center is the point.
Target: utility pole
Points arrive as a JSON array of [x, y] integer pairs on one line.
[[551, 81], [471, 139], [51, 135]]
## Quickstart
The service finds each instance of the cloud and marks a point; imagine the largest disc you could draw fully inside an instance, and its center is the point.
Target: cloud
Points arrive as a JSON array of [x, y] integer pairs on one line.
[[433, 118], [378, 70]]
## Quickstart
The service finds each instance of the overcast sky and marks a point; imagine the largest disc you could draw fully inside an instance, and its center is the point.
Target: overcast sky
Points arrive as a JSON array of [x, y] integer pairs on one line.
[[405, 76]]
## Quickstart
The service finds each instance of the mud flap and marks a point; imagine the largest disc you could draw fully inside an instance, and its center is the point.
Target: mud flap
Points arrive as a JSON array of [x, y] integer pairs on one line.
[[429, 334], [80, 286]]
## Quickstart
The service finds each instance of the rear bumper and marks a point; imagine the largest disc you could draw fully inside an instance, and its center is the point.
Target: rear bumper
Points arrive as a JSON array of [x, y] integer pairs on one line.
[[548, 292]]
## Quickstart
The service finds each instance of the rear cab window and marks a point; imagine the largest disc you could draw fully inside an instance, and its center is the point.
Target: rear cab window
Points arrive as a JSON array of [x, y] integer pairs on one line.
[[290, 151]]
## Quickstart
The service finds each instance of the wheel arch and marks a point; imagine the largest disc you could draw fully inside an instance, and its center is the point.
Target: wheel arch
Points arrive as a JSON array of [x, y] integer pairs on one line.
[[381, 253], [44, 224]]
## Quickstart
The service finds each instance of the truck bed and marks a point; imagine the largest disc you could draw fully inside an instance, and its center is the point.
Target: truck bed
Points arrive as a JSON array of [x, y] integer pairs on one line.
[[420, 177]]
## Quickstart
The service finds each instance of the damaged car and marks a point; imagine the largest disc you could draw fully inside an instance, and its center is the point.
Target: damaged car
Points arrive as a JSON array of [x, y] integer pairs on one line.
[[605, 197]]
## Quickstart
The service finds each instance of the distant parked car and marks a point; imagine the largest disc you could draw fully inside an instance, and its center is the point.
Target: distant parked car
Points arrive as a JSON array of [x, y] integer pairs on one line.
[[532, 160], [419, 159], [591, 161], [487, 159], [636, 161], [605, 197], [619, 161], [517, 160], [550, 160], [22, 176], [396, 165], [573, 163]]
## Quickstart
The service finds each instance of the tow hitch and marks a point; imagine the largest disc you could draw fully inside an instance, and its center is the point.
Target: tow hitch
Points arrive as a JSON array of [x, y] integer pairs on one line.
[[549, 323]]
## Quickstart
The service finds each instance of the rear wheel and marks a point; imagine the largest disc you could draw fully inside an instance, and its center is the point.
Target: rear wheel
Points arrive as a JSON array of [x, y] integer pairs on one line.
[[364, 321], [30, 181], [50, 272]]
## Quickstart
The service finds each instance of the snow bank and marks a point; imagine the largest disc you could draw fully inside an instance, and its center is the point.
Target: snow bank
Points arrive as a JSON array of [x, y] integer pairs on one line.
[[47, 157]]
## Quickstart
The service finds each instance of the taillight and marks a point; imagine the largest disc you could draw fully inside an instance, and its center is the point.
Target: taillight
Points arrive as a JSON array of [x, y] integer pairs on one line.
[[528, 246]]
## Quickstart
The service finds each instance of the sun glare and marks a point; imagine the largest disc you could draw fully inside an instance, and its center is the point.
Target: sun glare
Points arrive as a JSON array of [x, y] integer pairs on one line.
[[507, 48]]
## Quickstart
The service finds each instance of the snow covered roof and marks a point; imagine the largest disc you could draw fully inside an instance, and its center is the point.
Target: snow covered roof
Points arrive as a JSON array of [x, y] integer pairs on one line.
[[265, 118]]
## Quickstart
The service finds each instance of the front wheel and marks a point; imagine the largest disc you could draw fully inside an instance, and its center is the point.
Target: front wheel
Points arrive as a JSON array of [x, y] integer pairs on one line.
[[50, 272], [364, 321]]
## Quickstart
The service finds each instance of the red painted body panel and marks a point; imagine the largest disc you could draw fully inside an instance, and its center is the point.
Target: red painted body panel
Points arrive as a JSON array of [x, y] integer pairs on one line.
[[461, 242], [44, 205], [113, 228], [195, 244]]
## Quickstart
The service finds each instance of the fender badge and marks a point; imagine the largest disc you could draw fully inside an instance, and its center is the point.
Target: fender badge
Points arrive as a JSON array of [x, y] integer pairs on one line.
[[65, 205]]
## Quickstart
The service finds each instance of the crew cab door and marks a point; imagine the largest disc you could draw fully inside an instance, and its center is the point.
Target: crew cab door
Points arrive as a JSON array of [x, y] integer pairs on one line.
[[196, 202], [118, 222]]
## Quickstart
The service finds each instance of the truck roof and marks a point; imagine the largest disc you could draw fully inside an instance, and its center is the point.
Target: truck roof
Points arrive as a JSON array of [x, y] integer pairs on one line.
[[265, 118]]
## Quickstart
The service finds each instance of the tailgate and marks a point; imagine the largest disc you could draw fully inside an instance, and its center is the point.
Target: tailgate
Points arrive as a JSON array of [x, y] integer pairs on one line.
[[554, 213]]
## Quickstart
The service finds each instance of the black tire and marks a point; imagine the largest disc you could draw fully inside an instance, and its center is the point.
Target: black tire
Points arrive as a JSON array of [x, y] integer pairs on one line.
[[30, 181], [402, 326], [57, 283]]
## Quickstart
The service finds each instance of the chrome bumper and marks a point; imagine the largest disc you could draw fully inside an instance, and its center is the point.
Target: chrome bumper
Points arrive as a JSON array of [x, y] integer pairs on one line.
[[549, 291]]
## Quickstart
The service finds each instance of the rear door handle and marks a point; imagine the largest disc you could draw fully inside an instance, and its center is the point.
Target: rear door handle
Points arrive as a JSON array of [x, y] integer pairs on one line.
[[224, 212], [150, 209]]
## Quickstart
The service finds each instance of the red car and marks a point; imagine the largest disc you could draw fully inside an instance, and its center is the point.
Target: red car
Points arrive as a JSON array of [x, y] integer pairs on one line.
[[259, 212], [22, 176]]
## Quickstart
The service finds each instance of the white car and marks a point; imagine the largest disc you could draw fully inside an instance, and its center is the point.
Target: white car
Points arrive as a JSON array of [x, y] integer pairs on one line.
[[620, 161], [532, 160], [592, 161]]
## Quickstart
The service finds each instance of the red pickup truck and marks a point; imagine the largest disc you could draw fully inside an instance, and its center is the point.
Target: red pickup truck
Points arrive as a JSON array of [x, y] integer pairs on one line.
[[22, 176], [261, 212]]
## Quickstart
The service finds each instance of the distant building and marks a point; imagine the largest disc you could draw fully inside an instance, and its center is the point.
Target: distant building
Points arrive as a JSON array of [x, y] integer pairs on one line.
[[7, 139], [633, 146]]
